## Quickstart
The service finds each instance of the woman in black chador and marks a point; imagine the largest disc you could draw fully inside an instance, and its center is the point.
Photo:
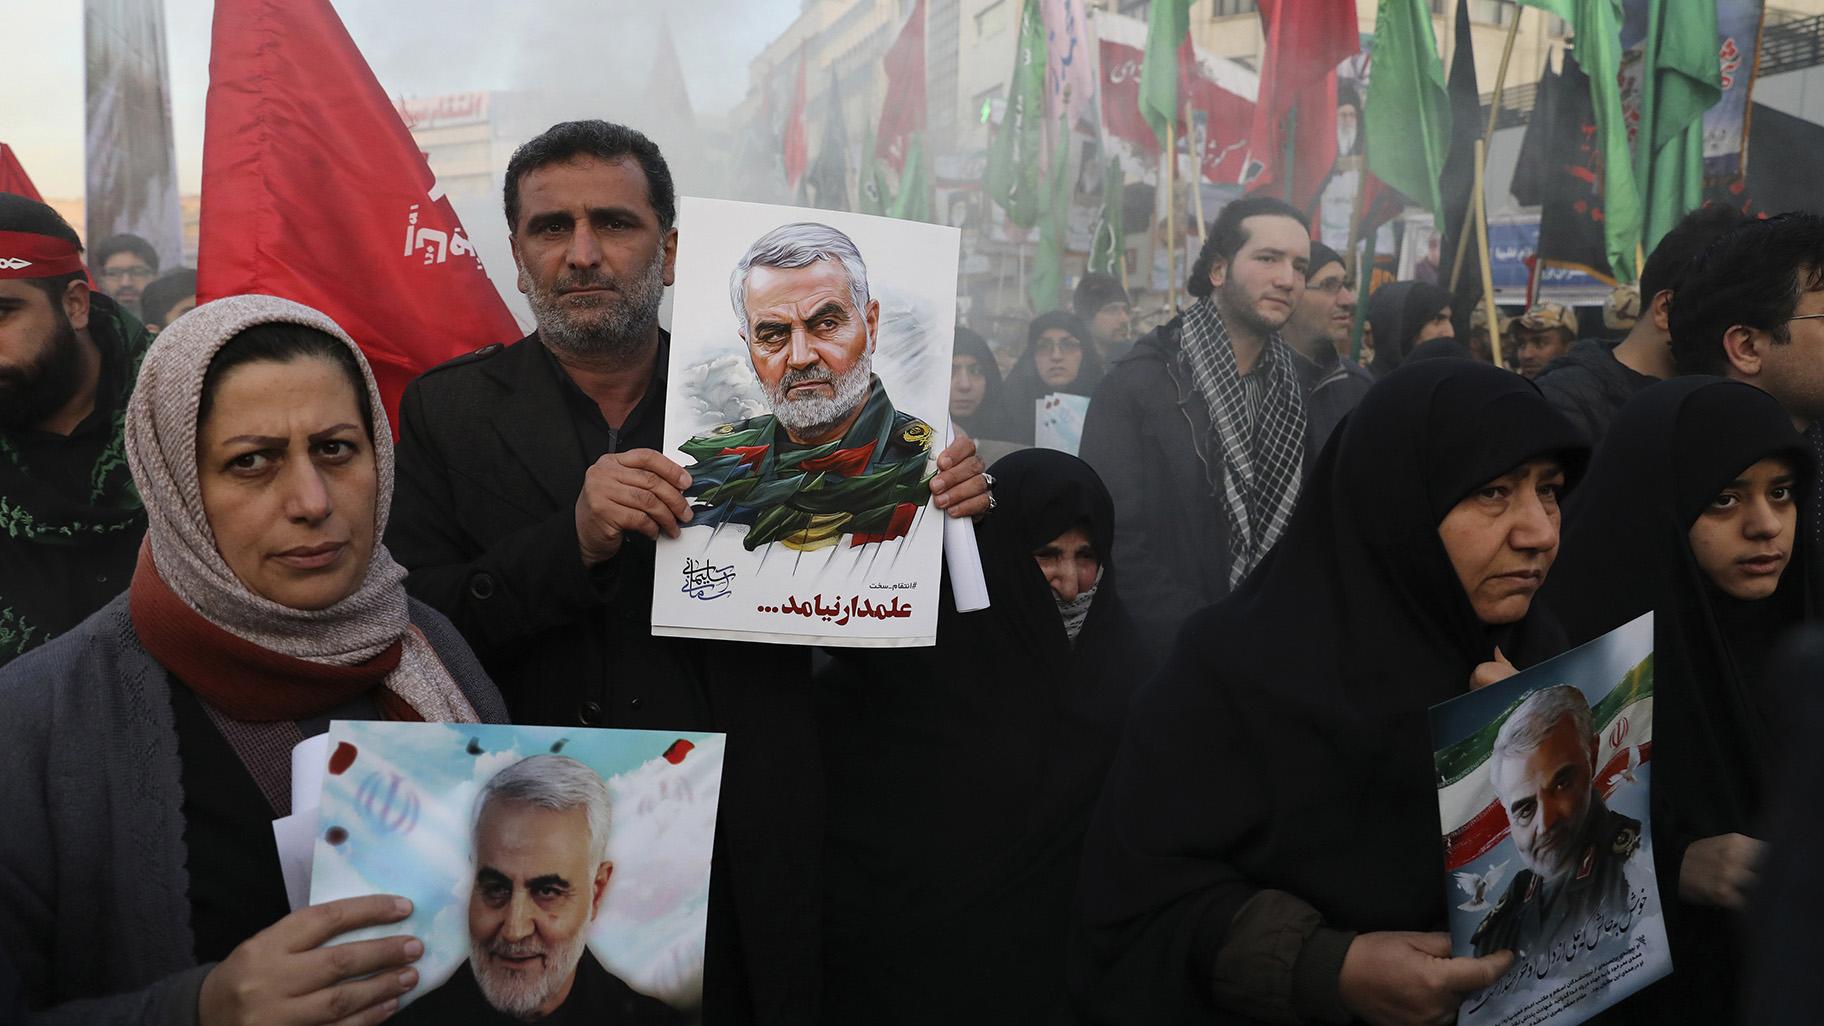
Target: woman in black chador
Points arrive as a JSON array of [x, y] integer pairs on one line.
[[1267, 846], [961, 777], [1692, 510]]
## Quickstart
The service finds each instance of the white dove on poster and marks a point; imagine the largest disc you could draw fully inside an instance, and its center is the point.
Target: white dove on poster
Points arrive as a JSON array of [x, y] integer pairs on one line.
[[1479, 887], [1627, 772]]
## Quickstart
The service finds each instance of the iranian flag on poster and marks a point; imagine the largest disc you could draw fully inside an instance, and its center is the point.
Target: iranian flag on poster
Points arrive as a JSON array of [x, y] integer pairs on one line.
[[1543, 787]]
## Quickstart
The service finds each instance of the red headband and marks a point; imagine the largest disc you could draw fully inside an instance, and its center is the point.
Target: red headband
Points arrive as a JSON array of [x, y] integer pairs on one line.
[[30, 255]]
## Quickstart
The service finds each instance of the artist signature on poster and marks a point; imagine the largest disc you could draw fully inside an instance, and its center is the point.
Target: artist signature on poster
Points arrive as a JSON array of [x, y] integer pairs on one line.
[[705, 581], [840, 611]]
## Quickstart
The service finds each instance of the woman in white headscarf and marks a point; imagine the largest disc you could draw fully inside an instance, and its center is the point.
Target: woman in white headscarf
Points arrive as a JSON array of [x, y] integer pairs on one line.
[[148, 749]]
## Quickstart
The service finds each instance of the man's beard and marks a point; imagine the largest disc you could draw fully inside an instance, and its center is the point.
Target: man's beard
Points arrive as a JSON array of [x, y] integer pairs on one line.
[[817, 414], [1238, 308], [600, 326], [32, 393], [522, 994]]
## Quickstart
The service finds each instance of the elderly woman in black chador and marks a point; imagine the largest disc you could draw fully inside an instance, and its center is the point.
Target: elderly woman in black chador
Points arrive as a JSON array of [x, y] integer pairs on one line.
[[1267, 847]]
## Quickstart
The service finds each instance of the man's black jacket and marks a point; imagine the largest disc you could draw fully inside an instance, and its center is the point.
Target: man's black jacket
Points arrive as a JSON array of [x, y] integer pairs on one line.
[[490, 462]]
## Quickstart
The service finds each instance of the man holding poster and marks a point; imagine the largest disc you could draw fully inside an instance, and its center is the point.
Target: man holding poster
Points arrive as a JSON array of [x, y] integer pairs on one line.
[[834, 457]]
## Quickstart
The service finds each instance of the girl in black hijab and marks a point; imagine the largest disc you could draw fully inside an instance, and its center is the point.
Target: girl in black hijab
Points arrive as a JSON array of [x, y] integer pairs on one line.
[[976, 406], [1054, 342], [1404, 314], [1271, 811], [1691, 509], [961, 777]]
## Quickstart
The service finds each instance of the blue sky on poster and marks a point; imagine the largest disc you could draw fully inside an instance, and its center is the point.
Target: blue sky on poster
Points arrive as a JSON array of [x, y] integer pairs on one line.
[[416, 48]]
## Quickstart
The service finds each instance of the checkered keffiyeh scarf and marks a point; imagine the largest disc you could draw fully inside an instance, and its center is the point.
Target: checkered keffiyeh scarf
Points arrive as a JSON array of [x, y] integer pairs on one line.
[[1262, 443]]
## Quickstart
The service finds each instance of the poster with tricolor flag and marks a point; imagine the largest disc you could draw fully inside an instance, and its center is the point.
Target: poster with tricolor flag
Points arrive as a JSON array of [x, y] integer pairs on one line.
[[1543, 800], [314, 191]]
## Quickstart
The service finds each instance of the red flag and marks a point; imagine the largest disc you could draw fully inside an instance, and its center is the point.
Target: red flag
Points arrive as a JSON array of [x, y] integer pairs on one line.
[[1228, 118], [904, 112], [1306, 40], [797, 149], [13, 178], [314, 191]]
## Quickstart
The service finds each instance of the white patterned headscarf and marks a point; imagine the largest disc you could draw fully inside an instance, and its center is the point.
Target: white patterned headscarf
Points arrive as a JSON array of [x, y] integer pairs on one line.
[[161, 435]]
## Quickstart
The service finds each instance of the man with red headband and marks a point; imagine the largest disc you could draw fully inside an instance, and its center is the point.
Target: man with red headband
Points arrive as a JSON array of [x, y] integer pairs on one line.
[[70, 520]]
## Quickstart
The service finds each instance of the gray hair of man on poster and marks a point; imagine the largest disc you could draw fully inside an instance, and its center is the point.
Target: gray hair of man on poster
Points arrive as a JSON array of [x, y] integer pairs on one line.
[[1535, 718], [558, 783], [799, 244]]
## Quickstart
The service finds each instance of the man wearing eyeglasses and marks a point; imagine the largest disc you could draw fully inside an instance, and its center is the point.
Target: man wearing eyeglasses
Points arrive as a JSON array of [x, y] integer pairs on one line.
[[1751, 307], [123, 265], [1319, 330]]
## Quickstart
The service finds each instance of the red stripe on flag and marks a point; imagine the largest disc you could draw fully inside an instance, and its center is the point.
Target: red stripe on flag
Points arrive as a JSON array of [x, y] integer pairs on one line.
[[1487, 828]]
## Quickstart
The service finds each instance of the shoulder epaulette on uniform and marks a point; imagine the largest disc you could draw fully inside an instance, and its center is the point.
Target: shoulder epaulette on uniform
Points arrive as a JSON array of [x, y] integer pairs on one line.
[[909, 432]]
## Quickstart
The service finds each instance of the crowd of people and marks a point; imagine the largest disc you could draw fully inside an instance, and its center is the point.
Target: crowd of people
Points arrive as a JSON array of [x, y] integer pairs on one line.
[[1198, 790]]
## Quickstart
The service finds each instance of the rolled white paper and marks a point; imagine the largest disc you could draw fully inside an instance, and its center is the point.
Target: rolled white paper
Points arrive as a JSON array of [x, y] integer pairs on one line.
[[961, 557]]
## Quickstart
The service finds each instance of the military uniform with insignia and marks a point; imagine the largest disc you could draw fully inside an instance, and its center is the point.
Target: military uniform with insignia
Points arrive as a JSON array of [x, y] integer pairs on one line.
[[1532, 915], [868, 484]]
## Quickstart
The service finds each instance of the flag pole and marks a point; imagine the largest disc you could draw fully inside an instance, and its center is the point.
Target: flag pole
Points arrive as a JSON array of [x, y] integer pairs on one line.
[[1488, 138], [1488, 274], [1203, 231], [1171, 216]]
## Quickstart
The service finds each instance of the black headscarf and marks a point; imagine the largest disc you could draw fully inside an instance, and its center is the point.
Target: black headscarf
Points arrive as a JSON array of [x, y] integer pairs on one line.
[[1396, 312], [1285, 743], [1024, 387], [1626, 551], [989, 419], [961, 777]]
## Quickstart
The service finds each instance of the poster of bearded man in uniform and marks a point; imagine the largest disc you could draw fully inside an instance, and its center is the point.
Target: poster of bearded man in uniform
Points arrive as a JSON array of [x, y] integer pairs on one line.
[[1543, 786], [807, 398]]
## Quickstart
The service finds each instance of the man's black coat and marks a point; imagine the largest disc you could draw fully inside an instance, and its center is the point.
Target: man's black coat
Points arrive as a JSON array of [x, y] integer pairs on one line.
[[490, 463]]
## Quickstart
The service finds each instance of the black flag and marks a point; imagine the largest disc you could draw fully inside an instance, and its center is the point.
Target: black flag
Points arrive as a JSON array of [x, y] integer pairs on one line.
[[1459, 178], [1560, 171]]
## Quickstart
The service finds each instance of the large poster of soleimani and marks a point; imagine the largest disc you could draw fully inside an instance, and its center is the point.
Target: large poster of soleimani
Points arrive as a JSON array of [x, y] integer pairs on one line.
[[556, 874], [1543, 783], [807, 397]]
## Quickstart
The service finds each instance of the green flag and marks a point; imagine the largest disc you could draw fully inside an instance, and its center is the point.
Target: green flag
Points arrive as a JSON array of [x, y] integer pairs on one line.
[[1048, 265], [1406, 116], [913, 200], [1013, 177], [1108, 237], [1167, 23], [1597, 24], [1683, 78]]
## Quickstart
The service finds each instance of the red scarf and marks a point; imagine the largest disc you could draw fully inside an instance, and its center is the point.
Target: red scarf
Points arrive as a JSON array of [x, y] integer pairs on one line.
[[245, 681]]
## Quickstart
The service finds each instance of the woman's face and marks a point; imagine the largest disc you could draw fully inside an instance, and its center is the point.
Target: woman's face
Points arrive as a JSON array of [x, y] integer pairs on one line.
[[1069, 563], [289, 481], [1743, 538], [1438, 327], [1059, 355], [968, 385], [1502, 539]]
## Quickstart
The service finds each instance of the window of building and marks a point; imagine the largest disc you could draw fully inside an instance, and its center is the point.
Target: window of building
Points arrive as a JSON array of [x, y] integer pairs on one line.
[[1225, 8]]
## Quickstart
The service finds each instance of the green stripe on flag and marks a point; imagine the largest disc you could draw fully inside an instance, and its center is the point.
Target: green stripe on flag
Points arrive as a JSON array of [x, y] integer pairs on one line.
[[1454, 762]]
